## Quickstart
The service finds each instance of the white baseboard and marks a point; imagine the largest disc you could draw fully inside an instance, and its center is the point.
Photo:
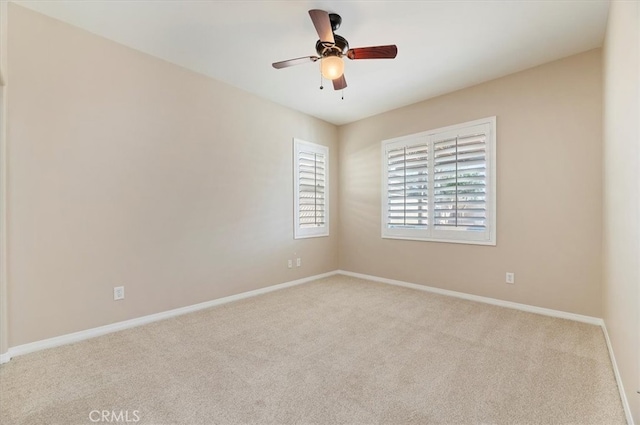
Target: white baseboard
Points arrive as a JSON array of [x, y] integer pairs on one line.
[[478, 298], [616, 372], [114, 327]]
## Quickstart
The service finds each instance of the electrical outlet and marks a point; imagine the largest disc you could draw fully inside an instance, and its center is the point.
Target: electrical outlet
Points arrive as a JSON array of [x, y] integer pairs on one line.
[[118, 293], [290, 263], [298, 262], [511, 277]]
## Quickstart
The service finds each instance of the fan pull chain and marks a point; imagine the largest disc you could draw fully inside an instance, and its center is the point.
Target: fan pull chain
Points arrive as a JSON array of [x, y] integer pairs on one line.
[[321, 87], [342, 94]]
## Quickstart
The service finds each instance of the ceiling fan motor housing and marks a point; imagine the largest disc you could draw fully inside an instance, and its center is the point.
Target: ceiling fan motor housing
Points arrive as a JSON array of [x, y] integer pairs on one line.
[[339, 48]]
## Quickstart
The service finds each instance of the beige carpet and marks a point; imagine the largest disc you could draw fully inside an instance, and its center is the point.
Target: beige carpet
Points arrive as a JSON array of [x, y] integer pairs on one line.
[[337, 350]]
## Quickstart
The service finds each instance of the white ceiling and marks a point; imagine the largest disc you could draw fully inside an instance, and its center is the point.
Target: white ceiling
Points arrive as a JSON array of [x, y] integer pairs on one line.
[[442, 45]]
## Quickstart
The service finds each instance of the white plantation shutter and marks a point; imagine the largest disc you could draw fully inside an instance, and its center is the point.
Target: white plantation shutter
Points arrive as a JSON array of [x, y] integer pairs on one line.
[[407, 185], [311, 174], [311, 168], [460, 182], [440, 185]]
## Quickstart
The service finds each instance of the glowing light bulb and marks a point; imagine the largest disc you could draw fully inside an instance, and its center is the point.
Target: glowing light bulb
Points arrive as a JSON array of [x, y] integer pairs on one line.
[[332, 67]]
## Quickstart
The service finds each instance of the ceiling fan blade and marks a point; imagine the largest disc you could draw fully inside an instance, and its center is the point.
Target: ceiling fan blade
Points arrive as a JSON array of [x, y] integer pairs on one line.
[[339, 83], [375, 52], [321, 21], [296, 61]]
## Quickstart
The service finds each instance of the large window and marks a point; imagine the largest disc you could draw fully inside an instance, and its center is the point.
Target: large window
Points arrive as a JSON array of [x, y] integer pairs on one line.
[[440, 185], [311, 180]]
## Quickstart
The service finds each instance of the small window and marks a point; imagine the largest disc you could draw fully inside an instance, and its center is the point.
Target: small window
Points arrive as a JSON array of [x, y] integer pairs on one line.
[[440, 185], [311, 177]]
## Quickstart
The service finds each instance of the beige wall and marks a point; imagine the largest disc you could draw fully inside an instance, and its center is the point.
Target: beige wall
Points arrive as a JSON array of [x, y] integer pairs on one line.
[[621, 289], [549, 190], [127, 170], [4, 343]]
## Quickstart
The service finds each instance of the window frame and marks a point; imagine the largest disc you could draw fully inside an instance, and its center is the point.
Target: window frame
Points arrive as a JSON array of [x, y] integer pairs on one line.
[[430, 233], [299, 146]]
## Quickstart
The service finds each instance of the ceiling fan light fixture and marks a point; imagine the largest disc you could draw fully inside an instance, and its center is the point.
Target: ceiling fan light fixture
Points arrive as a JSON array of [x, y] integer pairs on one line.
[[332, 48], [332, 67]]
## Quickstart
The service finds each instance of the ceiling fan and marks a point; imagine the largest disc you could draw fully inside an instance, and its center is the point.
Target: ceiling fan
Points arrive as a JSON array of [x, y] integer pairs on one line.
[[331, 48]]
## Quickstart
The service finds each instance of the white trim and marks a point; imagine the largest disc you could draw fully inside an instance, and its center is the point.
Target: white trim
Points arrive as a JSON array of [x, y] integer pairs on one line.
[[501, 303], [299, 146], [114, 327], [616, 372], [430, 232]]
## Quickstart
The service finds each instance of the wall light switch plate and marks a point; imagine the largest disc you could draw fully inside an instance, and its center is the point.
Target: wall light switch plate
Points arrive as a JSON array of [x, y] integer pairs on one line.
[[511, 278]]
